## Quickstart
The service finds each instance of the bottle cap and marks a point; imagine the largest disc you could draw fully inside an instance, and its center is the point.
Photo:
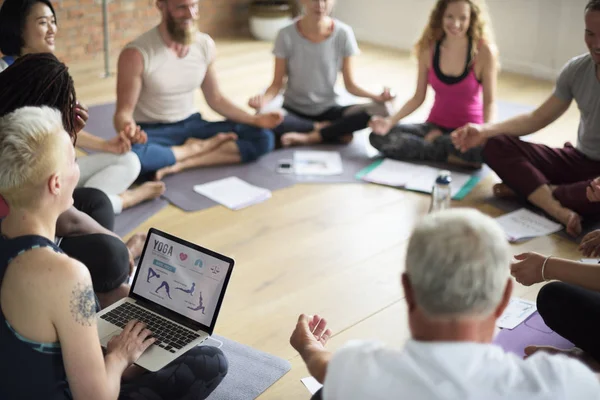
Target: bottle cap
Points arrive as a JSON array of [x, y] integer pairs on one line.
[[444, 177]]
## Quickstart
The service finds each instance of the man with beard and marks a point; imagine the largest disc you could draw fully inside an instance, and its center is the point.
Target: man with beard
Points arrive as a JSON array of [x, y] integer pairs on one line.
[[157, 75]]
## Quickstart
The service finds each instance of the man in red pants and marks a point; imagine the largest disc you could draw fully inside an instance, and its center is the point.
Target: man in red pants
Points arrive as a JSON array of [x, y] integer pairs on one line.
[[563, 182]]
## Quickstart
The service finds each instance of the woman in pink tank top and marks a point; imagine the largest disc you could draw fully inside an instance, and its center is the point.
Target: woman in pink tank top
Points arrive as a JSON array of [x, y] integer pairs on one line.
[[457, 58]]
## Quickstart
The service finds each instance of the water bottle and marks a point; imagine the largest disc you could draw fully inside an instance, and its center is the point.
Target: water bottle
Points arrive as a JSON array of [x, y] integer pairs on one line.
[[441, 194]]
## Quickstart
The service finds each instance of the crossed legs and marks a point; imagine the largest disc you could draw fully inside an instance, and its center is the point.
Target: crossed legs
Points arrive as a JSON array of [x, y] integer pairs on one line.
[[555, 180]]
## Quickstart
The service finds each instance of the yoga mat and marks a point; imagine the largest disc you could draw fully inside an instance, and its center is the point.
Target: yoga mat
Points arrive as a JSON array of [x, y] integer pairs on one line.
[[512, 204], [180, 186], [133, 217], [251, 371], [100, 121], [506, 109], [355, 157], [531, 332]]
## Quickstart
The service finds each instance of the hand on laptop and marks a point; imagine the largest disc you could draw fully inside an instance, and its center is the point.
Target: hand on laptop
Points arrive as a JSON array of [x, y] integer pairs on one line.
[[131, 343]]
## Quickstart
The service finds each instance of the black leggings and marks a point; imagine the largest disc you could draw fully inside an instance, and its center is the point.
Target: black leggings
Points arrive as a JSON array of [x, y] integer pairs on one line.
[[574, 313], [341, 124], [407, 142], [105, 256], [193, 376]]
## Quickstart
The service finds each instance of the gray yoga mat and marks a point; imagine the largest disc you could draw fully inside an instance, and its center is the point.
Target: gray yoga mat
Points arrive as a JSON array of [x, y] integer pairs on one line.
[[100, 121], [133, 217], [251, 371], [180, 187], [507, 109], [512, 204], [355, 157]]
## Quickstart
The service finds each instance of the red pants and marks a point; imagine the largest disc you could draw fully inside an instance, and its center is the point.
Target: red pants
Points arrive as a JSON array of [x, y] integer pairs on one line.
[[524, 167]]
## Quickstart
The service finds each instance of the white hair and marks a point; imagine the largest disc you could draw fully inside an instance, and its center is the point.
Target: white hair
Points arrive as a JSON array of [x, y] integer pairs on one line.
[[29, 140], [458, 264]]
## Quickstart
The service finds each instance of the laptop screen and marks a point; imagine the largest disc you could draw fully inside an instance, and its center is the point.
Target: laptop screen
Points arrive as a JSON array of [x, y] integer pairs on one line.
[[182, 277]]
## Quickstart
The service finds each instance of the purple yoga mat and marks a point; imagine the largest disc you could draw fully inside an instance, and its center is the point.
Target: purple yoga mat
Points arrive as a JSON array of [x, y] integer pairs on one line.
[[133, 217], [531, 332], [100, 121]]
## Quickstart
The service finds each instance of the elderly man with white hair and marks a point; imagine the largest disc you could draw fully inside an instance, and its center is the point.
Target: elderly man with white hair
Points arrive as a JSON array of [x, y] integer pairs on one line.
[[456, 284]]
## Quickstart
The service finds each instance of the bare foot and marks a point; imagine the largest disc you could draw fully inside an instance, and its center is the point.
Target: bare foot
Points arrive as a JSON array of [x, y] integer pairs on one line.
[[530, 350], [452, 159], [135, 244], [146, 191], [346, 139], [201, 146], [575, 352], [573, 224], [299, 139], [320, 125], [503, 191], [170, 170], [432, 135]]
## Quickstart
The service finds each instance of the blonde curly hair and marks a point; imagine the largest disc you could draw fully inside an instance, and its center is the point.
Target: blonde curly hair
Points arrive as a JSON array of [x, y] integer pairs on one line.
[[479, 26]]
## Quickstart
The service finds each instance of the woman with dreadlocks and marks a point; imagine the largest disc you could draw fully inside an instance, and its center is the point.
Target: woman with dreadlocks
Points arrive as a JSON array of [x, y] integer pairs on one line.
[[84, 230], [30, 26]]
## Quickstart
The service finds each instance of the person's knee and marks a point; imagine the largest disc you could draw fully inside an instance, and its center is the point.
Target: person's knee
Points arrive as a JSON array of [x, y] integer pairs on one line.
[[132, 163], [209, 363], [549, 301], [494, 149], [261, 142], [377, 141], [110, 262]]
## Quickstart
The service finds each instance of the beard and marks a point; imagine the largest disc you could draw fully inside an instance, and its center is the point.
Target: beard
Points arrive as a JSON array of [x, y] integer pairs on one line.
[[180, 35]]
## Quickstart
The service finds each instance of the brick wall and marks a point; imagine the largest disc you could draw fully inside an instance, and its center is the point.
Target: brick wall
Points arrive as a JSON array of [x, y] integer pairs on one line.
[[80, 29]]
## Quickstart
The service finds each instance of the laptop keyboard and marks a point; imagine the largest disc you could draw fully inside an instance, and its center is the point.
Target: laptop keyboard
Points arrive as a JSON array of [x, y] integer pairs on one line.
[[169, 336]]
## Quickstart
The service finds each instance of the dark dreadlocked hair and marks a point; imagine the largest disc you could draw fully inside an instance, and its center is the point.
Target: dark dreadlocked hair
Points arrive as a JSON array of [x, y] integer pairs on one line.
[[592, 5], [39, 80]]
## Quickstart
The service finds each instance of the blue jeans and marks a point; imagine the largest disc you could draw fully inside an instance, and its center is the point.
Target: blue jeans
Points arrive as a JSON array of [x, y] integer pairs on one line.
[[252, 142]]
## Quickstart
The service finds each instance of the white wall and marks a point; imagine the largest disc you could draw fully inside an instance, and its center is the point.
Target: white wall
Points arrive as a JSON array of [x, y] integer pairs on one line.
[[534, 37]]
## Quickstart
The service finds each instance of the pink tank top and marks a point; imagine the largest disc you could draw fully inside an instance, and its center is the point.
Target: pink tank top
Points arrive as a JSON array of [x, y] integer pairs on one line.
[[458, 99]]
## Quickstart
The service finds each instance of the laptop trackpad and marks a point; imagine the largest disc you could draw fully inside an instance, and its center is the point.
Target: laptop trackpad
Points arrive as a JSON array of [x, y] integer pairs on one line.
[[104, 341]]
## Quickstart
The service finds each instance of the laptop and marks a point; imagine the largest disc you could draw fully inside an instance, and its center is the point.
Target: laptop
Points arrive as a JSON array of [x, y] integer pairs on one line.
[[177, 290]]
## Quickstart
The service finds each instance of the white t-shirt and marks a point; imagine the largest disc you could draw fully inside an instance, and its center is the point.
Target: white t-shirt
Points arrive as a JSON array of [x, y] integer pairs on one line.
[[451, 370], [169, 82]]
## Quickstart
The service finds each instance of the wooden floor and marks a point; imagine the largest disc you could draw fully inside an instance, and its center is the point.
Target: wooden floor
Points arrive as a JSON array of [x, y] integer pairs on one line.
[[336, 250]]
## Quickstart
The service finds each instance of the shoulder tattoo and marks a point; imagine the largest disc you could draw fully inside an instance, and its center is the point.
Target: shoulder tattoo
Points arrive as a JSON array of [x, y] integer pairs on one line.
[[83, 304]]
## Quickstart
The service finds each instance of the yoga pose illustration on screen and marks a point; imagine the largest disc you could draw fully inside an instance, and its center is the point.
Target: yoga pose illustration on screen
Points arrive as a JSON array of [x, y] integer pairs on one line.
[[189, 291], [167, 289]]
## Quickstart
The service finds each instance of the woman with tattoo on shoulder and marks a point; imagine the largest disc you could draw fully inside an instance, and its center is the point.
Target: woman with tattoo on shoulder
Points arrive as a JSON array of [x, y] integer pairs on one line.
[[49, 345]]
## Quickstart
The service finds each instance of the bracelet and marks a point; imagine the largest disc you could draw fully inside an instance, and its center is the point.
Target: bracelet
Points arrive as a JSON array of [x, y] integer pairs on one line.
[[544, 267]]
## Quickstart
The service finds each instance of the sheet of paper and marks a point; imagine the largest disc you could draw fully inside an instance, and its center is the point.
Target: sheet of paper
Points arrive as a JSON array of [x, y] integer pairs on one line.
[[420, 178], [518, 310], [311, 384], [233, 192], [525, 224], [590, 260], [317, 163]]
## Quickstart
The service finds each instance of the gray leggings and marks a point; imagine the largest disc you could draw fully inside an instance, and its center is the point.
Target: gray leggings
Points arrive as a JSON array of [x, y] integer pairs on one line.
[[406, 142]]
